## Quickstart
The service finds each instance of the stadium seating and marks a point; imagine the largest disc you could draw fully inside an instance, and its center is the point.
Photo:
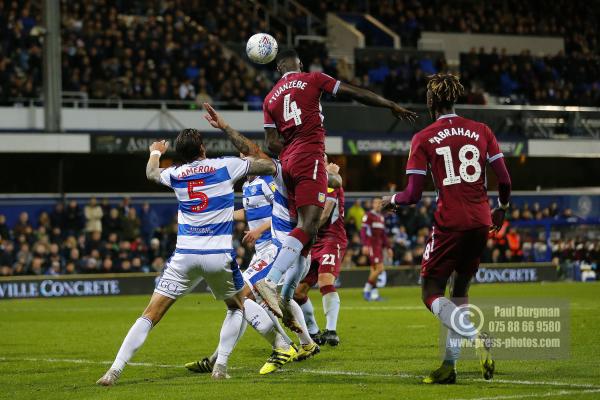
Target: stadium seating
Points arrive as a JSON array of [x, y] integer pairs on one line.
[[175, 50]]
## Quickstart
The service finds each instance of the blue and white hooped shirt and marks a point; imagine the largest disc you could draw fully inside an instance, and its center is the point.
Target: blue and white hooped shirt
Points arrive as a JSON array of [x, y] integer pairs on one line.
[[258, 197], [281, 223], [204, 189]]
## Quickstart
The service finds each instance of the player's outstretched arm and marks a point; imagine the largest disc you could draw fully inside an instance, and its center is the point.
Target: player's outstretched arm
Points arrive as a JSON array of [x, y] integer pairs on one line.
[[261, 166], [153, 166], [410, 195], [369, 98], [241, 142]]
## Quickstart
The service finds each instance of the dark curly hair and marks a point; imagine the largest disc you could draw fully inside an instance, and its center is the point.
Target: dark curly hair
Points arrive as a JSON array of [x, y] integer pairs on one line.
[[188, 145]]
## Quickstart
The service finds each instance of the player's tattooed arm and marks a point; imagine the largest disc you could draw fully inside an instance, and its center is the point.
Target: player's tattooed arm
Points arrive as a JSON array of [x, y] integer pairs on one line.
[[153, 169], [274, 141], [261, 166], [334, 179], [369, 98], [242, 143]]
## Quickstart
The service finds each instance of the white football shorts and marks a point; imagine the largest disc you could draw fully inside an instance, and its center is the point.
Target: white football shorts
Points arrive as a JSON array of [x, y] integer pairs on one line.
[[185, 269]]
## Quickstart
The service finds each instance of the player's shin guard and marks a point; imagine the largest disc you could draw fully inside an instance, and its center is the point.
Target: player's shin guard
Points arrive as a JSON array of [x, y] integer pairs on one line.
[[133, 341], [309, 315], [331, 306], [289, 253], [292, 278], [257, 317], [453, 346], [229, 334], [449, 314]]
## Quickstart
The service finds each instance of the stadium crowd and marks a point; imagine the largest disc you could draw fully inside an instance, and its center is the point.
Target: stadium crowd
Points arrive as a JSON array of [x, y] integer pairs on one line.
[[111, 238], [527, 79], [575, 21], [165, 55], [172, 50]]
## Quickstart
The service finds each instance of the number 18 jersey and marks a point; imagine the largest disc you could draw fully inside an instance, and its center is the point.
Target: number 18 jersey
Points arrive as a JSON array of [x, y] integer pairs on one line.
[[456, 151], [293, 107]]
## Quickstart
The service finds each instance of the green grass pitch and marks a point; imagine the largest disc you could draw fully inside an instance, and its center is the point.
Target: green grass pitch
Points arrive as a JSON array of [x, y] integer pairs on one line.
[[57, 349]]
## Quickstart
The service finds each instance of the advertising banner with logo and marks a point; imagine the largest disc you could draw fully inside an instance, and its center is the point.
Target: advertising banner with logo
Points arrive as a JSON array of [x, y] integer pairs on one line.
[[140, 283]]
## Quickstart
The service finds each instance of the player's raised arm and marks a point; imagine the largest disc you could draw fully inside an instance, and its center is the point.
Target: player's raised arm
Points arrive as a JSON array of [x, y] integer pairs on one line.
[[242, 143], [334, 179], [153, 169], [369, 98]]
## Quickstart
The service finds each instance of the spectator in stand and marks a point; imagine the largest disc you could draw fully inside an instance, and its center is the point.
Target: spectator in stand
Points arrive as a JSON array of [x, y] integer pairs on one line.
[[113, 224], [149, 222], [58, 216], [73, 218], [130, 224], [4, 230], [356, 214], [93, 216], [23, 226]]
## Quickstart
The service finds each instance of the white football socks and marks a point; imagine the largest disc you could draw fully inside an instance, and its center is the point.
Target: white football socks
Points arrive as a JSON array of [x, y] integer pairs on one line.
[[257, 317], [450, 315], [453, 346], [133, 341], [230, 333], [304, 337], [309, 317], [331, 308]]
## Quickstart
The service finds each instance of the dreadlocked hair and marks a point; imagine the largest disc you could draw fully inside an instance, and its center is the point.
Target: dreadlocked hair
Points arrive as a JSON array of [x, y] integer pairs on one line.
[[445, 89]]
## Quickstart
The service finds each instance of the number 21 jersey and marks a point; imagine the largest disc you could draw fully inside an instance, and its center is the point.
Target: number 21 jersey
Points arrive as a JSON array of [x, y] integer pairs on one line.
[[456, 151], [293, 107]]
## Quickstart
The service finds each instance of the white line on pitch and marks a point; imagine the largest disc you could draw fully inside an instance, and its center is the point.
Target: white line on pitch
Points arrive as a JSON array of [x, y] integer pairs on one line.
[[310, 371], [538, 395]]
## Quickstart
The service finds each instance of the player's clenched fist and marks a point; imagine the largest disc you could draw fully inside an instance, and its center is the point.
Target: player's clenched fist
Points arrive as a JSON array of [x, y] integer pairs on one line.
[[161, 146], [386, 203], [332, 168], [497, 219]]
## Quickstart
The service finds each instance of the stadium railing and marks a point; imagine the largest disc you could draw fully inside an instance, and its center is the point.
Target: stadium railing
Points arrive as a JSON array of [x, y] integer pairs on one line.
[[544, 122]]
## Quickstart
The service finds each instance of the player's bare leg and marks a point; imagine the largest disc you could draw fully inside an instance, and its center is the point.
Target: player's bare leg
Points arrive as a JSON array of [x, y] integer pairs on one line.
[[299, 237], [156, 309], [370, 291], [331, 308]]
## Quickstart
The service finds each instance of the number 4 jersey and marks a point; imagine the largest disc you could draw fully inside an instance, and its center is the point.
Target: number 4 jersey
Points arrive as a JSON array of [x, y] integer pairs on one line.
[[293, 107], [456, 151]]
